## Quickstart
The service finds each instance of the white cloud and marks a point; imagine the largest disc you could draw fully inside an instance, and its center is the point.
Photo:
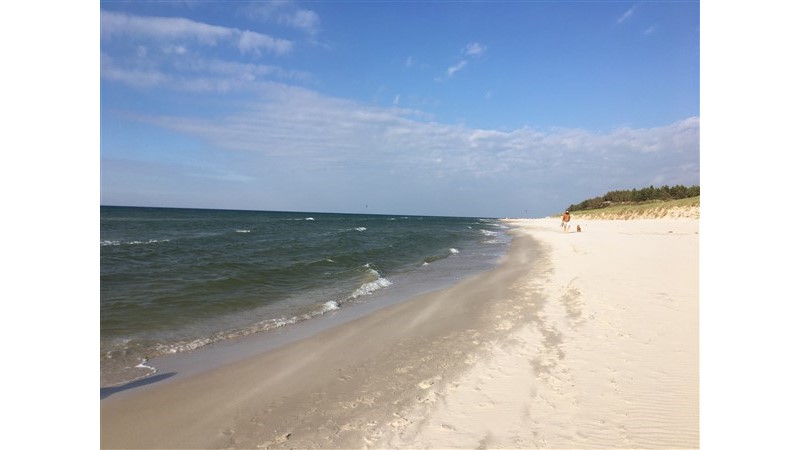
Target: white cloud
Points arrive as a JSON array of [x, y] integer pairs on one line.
[[453, 69], [197, 75], [650, 30], [627, 15], [175, 66], [174, 50], [250, 42], [135, 78], [114, 24], [252, 72], [169, 29], [471, 50], [474, 49], [303, 19], [292, 123], [284, 13]]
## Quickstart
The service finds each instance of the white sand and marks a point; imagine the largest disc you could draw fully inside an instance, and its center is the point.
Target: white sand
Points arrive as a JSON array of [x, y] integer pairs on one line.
[[611, 361]]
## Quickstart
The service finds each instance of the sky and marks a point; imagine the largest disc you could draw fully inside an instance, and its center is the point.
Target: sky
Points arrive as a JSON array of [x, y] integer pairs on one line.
[[490, 109]]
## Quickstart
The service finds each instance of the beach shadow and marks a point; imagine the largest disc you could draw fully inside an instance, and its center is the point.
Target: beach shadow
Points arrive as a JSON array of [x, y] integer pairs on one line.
[[107, 391]]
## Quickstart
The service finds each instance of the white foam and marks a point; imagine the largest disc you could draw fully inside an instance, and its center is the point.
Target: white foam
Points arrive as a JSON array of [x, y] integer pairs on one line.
[[183, 346], [151, 241], [242, 231], [369, 288], [309, 218], [330, 306], [454, 251], [282, 322], [489, 233], [143, 365], [361, 229]]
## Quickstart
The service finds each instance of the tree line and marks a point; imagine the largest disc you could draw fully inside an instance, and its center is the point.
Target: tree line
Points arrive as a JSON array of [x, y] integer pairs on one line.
[[637, 195]]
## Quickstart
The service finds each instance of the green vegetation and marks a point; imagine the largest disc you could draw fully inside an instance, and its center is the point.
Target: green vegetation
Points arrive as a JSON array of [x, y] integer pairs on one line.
[[638, 197], [685, 207]]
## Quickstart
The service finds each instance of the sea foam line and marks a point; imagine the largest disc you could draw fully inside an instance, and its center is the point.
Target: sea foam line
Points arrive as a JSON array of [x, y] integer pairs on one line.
[[151, 241], [261, 326], [143, 365]]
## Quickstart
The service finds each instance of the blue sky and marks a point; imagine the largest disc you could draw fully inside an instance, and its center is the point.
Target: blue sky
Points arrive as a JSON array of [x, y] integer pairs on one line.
[[441, 108]]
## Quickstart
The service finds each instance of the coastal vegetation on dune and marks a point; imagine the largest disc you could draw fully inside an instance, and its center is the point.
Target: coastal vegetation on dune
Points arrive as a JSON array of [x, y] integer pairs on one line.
[[637, 196], [648, 203]]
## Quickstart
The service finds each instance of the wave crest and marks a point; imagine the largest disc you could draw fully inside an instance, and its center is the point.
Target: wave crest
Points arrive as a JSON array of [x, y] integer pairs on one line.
[[106, 242]]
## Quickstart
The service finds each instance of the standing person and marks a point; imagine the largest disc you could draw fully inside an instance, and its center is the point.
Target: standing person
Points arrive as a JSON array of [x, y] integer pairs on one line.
[[565, 221]]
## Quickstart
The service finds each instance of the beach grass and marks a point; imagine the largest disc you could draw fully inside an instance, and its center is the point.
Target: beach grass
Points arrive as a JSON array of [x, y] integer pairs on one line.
[[685, 207]]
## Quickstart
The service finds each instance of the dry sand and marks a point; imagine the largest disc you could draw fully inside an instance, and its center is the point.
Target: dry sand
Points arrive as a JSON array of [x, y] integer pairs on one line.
[[611, 359], [579, 340]]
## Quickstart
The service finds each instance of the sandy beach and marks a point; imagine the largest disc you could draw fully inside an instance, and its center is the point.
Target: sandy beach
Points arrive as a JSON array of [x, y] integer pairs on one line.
[[576, 340]]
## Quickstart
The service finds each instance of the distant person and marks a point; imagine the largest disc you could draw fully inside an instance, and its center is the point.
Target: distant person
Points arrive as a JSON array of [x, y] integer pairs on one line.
[[565, 221]]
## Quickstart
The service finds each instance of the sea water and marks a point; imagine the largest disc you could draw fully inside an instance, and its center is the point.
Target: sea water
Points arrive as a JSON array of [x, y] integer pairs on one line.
[[176, 280]]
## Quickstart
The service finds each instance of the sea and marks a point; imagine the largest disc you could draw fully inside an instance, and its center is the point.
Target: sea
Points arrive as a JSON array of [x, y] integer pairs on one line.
[[177, 280]]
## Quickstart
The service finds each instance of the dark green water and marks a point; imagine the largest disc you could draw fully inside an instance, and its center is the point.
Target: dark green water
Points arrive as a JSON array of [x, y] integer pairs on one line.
[[174, 280]]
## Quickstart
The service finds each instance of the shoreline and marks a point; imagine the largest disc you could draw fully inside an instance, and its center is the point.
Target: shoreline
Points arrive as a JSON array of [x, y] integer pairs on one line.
[[524, 354], [242, 297], [325, 386]]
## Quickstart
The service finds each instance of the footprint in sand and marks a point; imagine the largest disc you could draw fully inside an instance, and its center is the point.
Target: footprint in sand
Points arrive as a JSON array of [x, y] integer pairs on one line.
[[426, 384], [430, 398], [277, 441], [347, 427], [402, 370], [400, 422]]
